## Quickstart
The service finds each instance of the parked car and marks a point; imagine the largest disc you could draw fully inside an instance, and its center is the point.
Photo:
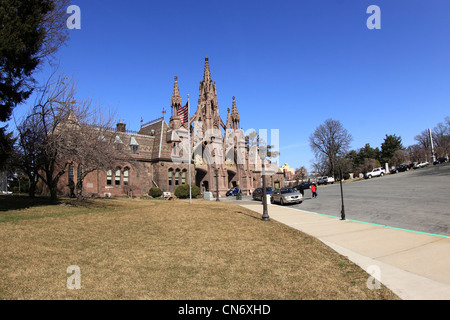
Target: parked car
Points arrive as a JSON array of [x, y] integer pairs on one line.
[[286, 195], [376, 172], [400, 168], [439, 161], [403, 168], [233, 192], [325, 180], [421, 164], [258, 193]]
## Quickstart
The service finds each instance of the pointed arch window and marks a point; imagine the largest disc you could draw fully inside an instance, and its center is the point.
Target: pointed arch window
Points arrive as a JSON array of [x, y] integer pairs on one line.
[[126, 176], [177, 177], [109, 177], [170, 177], [183, 177], [118, 177], [70, 173]]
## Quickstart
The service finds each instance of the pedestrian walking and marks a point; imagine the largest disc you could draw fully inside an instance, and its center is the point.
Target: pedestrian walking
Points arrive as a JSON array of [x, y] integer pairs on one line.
[[302, 189], [314, 190]]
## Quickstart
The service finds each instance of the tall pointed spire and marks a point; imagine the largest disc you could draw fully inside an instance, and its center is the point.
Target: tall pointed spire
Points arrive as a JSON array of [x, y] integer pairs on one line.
[[234, 110], [176, 97], [235, 118], [208, 106], [207, 73], [175, 104]]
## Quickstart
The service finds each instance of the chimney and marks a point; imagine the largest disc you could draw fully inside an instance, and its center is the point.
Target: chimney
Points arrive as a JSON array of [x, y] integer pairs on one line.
[[121, 127]]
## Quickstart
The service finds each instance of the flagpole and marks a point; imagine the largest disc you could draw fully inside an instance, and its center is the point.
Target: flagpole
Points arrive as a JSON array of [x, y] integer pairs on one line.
[[190, 156]]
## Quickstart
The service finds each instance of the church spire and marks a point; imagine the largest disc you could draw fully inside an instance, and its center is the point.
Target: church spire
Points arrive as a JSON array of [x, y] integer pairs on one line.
[[234, 110], [235, 118], [175, 104], [176, 97], [207, 72], [208, 106]]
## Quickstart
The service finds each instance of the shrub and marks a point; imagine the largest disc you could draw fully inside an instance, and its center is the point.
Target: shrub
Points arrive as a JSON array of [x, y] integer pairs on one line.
[[155, 192], [182, 191]]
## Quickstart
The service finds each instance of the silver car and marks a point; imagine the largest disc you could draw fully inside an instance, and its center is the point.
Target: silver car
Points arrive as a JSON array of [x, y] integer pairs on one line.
[[286, 195]]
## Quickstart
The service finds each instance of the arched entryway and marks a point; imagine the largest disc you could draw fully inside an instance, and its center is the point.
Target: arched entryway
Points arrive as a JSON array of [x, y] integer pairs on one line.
[[200, 181], [232, 182]]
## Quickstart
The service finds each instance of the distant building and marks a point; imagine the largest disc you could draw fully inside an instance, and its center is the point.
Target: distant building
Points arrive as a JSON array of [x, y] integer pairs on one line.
[[159, 151], [288, 172]]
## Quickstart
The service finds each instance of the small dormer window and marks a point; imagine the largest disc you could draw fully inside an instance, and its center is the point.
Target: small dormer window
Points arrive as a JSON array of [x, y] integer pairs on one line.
[[134, 145], [118, 143], [134, 149]]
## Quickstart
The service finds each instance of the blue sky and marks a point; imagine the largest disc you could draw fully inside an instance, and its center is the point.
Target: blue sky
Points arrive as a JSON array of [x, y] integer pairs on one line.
[[290, 64]]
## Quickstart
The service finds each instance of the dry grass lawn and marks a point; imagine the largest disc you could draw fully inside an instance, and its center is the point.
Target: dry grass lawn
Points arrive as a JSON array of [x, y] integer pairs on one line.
[[167, 250]]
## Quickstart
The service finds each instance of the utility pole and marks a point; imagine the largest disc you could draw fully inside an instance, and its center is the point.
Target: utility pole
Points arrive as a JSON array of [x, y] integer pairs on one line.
[[433, 155]]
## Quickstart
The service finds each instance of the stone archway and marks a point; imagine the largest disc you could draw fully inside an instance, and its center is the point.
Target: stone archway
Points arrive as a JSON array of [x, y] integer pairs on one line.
[[200, 179], [232, 182]]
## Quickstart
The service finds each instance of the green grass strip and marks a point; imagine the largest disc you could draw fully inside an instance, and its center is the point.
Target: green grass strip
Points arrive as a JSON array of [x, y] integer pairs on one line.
[[382, 225], [402, 229]]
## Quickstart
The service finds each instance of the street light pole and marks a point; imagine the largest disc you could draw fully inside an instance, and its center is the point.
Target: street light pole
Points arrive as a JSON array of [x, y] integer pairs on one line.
[[217, 184], [265, 216], [342, 197], [189, 152]]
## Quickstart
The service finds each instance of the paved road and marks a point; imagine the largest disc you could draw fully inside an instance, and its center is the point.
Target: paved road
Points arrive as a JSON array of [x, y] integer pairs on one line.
[[417, 200]]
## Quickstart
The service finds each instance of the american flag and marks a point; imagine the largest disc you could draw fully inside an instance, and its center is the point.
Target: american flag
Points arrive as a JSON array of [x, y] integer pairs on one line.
[[183, 113]]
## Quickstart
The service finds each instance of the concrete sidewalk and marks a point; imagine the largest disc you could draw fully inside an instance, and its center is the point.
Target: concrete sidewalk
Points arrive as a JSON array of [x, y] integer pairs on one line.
[[415, 266]]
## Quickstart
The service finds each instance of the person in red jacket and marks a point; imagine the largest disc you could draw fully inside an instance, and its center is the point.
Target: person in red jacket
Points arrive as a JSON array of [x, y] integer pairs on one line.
[[314, 190]]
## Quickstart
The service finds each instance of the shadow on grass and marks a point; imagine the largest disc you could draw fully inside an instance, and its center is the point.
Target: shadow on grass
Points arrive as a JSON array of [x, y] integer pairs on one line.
[[15, 208], [249, 215], [19, 202]]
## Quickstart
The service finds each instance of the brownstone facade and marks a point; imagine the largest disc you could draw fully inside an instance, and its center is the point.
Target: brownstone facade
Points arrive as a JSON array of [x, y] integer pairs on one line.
[[159, 153]]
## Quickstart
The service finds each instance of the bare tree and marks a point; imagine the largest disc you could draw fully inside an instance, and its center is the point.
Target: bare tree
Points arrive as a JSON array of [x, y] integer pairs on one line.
[[55, 109], [441, 138], [368, 165], [400, 157], [55, 29], [66, 131], [320, 165], [415, 152], [300, 174], [28, 156], [96, 147], [424, 142], [441, 141], [330, 141]]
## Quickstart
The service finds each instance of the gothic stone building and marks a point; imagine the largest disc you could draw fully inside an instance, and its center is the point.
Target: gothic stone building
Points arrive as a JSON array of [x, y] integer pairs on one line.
[[160, 151]]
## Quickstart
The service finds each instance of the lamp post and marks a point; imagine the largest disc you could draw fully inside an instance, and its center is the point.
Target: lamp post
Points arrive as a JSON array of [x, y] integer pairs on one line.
[[265, 216], [217, 184], [189, 152], [342, 196]]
